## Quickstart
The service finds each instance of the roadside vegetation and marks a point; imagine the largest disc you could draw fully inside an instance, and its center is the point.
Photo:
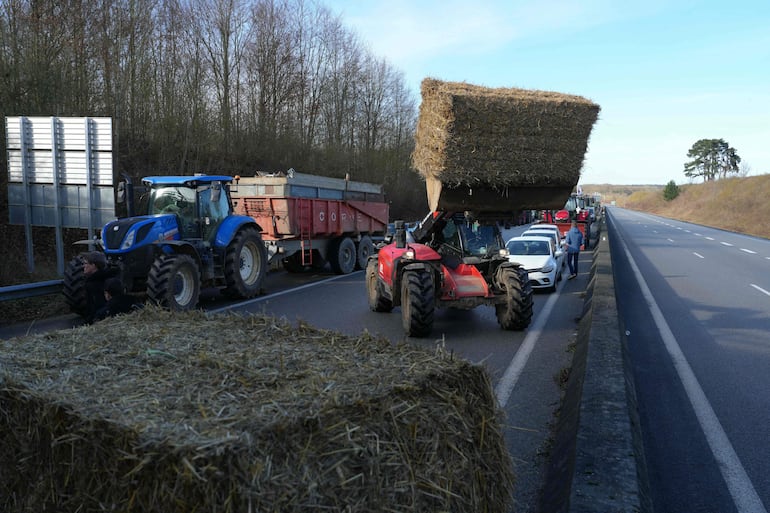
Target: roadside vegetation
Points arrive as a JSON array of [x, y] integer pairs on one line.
[[737, 204]]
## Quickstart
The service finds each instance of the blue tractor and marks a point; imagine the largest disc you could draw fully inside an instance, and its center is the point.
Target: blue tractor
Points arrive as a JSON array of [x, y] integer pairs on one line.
[[187, 239]]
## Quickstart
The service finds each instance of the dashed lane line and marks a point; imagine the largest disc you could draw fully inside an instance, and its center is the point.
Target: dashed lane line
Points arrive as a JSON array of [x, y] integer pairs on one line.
[[763, 291]]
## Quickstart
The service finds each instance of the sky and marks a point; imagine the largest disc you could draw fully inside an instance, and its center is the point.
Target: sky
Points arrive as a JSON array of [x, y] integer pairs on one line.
[[666, 73]]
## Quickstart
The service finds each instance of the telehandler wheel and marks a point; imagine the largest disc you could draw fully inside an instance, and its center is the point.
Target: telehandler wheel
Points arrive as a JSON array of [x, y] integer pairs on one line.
[[74, 288], [377, 301], [417, 303], [174, 282], [245, 264], [342, 255], [516, 312], [364, 250]]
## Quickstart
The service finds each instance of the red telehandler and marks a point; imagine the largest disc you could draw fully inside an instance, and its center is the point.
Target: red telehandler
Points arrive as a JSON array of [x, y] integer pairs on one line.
[[455, 261]]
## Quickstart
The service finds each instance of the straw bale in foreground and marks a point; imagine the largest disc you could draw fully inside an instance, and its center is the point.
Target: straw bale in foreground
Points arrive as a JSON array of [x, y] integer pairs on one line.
[[173, 412]]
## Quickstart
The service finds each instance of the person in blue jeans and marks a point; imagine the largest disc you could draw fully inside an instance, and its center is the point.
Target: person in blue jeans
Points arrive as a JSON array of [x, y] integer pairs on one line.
[[573, 241]]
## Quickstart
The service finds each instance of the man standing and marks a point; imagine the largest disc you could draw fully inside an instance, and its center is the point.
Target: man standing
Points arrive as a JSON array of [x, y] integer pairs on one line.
[[573, 241]]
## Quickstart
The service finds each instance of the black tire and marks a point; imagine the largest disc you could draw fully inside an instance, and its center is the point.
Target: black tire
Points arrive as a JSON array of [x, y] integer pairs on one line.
[[364, 250], [319, 262], [293, 263], [377, 301], [245, 264], [342, 255], [174, 282], [516, 312], [74, 287], [417, 303]]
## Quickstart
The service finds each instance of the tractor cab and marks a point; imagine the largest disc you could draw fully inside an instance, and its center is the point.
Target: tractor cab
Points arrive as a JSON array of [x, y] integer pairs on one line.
[[199, 205]]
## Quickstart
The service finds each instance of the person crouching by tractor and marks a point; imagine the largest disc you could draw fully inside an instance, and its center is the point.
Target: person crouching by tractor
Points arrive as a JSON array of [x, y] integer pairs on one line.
[[117, 300], [96, 274]]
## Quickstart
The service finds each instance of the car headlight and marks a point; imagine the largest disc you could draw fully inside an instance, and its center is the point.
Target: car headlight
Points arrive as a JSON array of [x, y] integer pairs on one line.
[[547, 269]]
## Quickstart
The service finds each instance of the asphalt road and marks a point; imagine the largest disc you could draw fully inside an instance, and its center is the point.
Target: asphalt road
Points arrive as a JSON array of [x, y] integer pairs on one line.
[[694, 304], [524, 366]]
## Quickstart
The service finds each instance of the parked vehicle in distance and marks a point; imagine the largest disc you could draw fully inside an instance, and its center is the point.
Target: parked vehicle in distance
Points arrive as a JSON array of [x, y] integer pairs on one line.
[[554, 235], [537, 255]]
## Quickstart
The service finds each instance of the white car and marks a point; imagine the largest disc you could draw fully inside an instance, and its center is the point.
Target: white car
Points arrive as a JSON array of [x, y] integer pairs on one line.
[[559, 254], [537, 256]]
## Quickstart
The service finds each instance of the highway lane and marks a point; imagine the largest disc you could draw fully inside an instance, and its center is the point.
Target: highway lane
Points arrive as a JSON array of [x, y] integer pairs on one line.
[[700, 352], [524, 366], [525, 380]]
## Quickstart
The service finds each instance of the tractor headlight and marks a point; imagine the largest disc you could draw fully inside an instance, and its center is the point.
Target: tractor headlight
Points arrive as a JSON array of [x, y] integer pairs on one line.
[[504, 252], [409, 254], [129, 240]]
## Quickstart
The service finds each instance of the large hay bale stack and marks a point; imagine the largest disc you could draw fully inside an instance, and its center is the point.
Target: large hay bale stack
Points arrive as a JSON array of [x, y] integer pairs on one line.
[[505, 149], [180, 412]]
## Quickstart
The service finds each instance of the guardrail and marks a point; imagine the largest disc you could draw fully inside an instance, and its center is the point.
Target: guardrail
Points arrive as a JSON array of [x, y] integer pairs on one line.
[[43, 288]]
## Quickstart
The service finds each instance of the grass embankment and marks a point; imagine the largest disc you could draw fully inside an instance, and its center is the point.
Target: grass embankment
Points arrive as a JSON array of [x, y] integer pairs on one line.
[[734, 204]]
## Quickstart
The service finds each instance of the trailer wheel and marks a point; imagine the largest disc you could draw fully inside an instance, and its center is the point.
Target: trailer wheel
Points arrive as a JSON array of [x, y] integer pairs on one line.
[[74, 287], [364, 251], [245, 264], [417, 303], [174, 282], [377, 300], [516, 312], [293, 263], [342, 255]]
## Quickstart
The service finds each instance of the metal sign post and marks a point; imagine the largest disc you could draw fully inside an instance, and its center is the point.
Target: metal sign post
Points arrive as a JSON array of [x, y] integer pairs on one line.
[[60, 174]]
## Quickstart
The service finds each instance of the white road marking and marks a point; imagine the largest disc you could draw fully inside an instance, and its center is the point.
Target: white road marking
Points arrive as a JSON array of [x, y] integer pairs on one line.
[[698, 255], [709, 238], [697, 234], [670, 240], [281, 293], [741, 489], [513, 372], [749, 251], [760, 289], [726, 244]]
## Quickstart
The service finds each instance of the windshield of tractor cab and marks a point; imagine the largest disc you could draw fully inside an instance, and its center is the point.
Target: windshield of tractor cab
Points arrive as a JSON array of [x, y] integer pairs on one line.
[[173, 200], [479, 240]]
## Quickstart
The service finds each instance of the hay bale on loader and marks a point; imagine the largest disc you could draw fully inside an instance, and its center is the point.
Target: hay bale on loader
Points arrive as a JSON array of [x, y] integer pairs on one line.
[[183, 412], [485, 149]]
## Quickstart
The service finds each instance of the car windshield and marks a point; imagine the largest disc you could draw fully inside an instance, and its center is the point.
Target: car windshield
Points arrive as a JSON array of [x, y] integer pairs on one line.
[[528, 247]]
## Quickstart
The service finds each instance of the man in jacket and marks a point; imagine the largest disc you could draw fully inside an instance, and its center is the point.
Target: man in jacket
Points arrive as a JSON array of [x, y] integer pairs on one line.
[[573, 241]]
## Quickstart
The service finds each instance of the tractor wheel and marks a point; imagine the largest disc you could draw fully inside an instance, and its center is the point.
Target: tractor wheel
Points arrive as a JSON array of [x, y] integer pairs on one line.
[[245, 264], [377, 301], [516, 312], [342, 255], [417, 303], [364, 251], [174, 282], [74, 288]]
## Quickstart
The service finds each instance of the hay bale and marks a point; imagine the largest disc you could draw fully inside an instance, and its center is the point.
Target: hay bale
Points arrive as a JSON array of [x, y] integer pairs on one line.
[[500, 138], [162, 411]]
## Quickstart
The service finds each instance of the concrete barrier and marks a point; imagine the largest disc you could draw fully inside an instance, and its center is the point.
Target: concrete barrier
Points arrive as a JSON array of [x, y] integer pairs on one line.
[[597, 462]]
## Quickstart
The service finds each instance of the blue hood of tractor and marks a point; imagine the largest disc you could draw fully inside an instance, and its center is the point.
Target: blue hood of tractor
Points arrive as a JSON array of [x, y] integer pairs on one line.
[[129, 234]]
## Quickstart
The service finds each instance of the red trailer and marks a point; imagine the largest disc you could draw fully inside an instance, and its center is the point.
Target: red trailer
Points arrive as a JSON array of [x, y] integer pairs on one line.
[[307, 220]]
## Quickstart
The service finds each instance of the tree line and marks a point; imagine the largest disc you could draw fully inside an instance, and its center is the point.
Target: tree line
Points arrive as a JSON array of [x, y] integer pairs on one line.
[[215, 86]]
